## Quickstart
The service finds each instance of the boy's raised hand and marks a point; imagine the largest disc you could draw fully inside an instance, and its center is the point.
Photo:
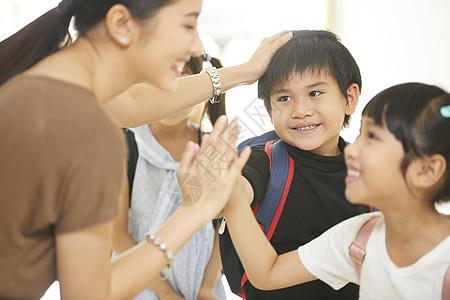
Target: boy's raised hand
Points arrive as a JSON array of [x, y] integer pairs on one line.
[[208, 172]]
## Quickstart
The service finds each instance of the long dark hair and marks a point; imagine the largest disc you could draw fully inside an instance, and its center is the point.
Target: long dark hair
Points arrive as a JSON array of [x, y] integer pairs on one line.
[[213, 111], [49, 33], [412, 113]]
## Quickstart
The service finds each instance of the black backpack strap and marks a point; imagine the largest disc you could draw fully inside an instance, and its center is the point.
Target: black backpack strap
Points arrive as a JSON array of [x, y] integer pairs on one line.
[[133, 155]]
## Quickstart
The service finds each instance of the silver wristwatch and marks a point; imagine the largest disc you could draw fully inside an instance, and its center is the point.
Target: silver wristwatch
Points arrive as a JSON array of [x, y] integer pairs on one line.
[[212, 71]]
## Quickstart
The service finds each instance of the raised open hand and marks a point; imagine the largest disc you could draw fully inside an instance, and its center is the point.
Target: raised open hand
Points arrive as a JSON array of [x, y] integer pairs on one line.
[[207, 173]]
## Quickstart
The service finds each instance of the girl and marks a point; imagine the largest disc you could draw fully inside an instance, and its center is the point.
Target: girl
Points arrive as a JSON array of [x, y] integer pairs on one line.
[[399, 164], [154, 157], [62, 156]]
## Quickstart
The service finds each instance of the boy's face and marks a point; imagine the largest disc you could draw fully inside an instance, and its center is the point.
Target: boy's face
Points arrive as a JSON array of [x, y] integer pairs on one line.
[[308, 111]]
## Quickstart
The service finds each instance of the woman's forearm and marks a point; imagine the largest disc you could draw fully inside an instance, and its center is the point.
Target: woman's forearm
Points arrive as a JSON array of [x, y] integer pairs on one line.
[[134, 267], [143, 103]]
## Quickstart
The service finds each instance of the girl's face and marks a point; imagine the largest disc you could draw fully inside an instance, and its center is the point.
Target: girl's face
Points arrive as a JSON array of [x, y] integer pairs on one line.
[[374, 175], [168, 41]]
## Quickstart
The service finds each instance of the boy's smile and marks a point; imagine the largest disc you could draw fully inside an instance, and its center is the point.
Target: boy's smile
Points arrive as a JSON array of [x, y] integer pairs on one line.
[[308, 111]]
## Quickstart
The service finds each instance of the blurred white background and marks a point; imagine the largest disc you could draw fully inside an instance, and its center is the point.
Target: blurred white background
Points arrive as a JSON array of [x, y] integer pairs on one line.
[[393, 41]]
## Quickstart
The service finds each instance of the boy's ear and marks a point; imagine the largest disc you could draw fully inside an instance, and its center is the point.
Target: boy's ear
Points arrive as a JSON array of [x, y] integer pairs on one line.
[[427, 172], [119, 24], [352, 99]]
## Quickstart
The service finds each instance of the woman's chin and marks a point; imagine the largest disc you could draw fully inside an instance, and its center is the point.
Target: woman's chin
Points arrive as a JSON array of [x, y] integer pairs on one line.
[[169, 85]]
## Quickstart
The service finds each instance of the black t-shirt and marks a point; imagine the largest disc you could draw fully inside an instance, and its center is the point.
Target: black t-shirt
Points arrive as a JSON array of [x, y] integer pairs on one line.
[[315, 202]]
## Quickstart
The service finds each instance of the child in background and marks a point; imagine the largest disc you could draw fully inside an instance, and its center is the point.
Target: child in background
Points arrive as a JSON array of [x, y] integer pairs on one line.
[[310, 89], [155, 196], [399, 164]]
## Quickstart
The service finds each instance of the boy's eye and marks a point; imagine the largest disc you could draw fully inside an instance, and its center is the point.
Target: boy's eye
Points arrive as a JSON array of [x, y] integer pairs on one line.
[[315, 93], [284, 98]]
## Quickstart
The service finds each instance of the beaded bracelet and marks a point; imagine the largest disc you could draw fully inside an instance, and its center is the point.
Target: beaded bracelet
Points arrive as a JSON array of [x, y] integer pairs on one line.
[[151, 238]]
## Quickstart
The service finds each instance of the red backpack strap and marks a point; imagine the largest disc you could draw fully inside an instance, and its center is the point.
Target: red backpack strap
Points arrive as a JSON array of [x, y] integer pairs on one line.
[[268, 149], [268, 211], [446, 285], [357, 249]]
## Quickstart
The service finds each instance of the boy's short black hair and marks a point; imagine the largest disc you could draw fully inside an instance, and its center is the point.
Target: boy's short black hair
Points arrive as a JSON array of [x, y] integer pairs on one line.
[[310, 50]]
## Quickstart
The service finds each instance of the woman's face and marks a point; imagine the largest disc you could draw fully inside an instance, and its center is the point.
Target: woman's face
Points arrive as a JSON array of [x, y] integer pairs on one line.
[[184, 115], [168, 41]]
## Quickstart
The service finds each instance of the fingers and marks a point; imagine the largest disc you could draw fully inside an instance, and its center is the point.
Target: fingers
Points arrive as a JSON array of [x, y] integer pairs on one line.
[[260, 59], [238, 164], [188, 156], [281, 40], [231, 133], [282, 37], [220, 126], [204, 138], [276, 41]]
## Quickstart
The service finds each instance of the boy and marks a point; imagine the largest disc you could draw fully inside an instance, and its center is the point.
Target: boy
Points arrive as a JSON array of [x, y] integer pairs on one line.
[[310, 89]]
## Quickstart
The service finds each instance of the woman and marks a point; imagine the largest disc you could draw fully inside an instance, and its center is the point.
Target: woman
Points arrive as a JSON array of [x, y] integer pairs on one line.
[[62, 157]]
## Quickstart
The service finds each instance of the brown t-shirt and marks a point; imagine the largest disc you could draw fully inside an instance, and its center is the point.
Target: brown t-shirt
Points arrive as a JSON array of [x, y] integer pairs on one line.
[[61, 166]]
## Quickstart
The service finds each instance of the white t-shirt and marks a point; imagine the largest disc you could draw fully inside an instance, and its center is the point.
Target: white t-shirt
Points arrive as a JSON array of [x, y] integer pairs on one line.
[[327, 258]]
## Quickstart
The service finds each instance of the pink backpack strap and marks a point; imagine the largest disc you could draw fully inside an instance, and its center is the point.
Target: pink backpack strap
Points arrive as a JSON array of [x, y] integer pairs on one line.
[[357, 249], [446, 285], [357, 252]]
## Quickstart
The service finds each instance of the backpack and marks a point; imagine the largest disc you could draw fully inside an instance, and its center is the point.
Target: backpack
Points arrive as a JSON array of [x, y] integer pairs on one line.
[[133, 155], [357, 252], [267, 213]]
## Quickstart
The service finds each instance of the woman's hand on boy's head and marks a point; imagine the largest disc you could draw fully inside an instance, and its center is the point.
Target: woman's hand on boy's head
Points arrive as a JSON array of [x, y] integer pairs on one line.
[[261, 58], [207, 173]]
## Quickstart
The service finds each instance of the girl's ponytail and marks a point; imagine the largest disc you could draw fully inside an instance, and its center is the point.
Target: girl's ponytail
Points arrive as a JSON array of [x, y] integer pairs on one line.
[[44, 36]]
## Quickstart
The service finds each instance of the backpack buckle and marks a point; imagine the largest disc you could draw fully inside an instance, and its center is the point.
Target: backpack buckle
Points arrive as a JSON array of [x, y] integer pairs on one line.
[[357, 252]]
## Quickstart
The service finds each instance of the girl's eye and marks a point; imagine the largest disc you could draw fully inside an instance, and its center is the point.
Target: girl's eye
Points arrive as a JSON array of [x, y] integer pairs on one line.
[[284, 98], [315, 93], [372, 136]]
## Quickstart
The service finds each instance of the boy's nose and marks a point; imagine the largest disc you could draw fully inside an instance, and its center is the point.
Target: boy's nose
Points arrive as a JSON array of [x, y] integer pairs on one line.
[[301, 108]]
